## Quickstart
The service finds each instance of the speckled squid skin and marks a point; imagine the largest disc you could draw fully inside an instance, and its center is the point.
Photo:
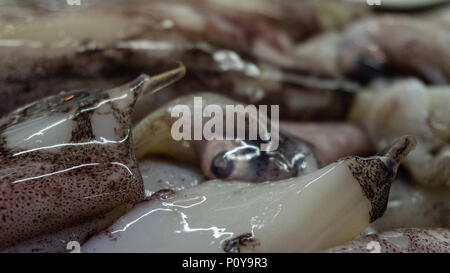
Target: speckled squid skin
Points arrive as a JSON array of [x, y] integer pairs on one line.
[[68, 157], [375, 174], [405, 240]]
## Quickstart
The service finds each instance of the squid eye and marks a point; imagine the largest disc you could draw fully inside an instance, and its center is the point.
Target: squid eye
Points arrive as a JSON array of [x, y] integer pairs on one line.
[[243, 160], [221, 166]]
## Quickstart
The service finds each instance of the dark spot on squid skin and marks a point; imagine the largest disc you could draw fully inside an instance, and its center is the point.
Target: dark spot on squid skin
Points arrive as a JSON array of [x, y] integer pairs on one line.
[[108, 233], [112, 236], [163, 194], [244, 240]]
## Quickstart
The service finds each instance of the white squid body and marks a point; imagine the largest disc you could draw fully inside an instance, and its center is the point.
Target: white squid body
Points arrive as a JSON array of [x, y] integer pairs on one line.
[[314, 212]]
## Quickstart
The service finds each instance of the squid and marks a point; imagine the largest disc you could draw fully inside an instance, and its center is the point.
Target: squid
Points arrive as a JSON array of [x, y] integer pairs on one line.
[[71, 162], [407, 106], [157, 174], [291, 215], [396, 45], [70, 156], [385, 46], [405, 240], [96, 162]]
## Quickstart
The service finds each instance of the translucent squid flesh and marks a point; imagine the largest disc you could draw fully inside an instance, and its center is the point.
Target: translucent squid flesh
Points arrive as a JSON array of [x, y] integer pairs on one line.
[[286, 216], [68, 157]]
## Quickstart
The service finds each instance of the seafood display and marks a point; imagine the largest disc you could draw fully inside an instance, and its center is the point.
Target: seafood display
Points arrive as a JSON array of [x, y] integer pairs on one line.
[[224, 126]]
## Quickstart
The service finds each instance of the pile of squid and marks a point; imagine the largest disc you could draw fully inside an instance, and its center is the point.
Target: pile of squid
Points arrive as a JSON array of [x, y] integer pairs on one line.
[[88, 157]]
